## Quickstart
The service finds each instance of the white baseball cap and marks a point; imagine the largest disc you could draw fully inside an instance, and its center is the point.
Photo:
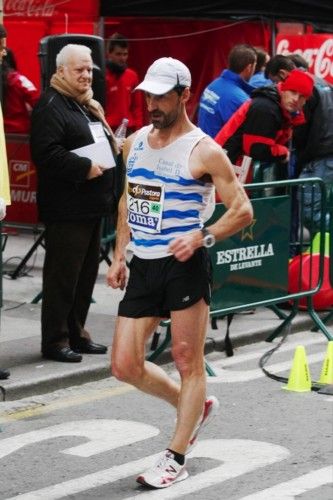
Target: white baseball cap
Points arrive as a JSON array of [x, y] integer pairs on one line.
[[165, 74]]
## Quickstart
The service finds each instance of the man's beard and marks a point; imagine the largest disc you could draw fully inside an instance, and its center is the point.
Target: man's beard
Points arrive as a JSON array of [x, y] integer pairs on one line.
[[163, 120], [117, 69]]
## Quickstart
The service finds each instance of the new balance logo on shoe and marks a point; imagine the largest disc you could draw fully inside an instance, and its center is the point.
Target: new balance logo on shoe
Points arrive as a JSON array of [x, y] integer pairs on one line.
[[164, 473]]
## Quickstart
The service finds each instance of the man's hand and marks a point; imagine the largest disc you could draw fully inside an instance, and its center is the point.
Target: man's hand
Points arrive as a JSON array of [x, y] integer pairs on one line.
[[116, 275], [184, 247], [120, 143], [95, 171]]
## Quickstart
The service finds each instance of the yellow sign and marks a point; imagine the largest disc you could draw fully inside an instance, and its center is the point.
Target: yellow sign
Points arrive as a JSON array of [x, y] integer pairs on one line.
[[4, 178]]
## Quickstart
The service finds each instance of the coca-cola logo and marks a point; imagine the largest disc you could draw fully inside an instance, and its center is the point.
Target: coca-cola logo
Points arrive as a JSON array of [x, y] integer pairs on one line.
[[320, 59], [32, 8]]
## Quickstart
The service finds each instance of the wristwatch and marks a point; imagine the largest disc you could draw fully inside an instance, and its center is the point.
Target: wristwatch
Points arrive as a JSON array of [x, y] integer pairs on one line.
[[208, 238]]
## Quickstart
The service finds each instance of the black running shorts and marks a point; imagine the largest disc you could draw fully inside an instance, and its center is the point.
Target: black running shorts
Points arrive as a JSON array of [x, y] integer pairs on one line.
[[158, 286]]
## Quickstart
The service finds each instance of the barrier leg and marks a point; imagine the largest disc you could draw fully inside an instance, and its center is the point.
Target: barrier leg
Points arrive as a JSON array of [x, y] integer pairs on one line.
[[280, 314], [162, 347], [104, 255], [36, 299], [209, 370], [284, 323], [23, 262], [317, 320], [325, 320], [327, 317]]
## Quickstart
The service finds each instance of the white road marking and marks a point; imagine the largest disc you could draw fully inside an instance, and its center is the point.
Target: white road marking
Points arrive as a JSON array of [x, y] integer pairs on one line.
[[264, 347], [295, 487], [227, 376], [238, 456], [102, 435]]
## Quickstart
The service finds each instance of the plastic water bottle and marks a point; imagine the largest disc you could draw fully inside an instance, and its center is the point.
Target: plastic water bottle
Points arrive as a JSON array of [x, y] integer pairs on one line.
[[121, 131]]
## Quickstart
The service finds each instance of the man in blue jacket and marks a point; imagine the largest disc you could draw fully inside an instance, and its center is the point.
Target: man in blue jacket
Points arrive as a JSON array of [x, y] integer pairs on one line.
[[227, 93]]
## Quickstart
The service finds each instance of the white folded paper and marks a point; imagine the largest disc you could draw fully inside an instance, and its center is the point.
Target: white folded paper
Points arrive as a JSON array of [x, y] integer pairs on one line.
[[99, 153]]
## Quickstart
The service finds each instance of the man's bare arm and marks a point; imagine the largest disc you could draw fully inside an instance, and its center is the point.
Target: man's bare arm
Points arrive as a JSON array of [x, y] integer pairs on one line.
[[239, 209], [116, 276], [208, 158]]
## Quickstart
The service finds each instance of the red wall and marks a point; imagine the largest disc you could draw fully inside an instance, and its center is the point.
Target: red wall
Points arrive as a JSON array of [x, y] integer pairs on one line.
[[27, 21], [202, 45]]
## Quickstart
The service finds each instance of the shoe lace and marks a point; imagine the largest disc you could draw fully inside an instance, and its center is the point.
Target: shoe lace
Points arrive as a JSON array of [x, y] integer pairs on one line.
[[162, 462]]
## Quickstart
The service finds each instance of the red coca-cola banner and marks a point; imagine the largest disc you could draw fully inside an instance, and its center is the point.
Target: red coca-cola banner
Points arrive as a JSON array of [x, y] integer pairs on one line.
[[50, 8], [316, 49]]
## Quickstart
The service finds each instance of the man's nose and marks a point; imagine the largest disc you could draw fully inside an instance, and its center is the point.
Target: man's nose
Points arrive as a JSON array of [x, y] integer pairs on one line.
[[151, 104]]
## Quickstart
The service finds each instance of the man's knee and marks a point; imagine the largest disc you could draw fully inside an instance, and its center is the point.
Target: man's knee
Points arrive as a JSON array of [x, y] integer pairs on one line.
[[126, 369], [187, 360]]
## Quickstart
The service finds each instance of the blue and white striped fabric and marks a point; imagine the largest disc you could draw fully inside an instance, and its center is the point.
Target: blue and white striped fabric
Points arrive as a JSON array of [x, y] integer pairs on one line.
[[185, 199]]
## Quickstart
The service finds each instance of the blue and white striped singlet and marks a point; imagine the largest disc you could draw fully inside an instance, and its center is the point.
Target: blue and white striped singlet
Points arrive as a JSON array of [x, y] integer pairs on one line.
[[183, 207]]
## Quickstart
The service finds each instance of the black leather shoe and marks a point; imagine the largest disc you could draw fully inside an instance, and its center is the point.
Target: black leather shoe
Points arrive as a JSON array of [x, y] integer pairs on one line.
[[89, 347], [64, 354], [4, 374]]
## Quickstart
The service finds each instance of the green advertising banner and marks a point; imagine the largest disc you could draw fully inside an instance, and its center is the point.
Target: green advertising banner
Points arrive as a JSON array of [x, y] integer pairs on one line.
[[252, 265]]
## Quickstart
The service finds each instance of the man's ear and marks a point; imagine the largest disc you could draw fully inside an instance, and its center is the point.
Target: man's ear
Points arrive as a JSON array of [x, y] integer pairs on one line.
[[185, 95], [283, 73], [60, 71]]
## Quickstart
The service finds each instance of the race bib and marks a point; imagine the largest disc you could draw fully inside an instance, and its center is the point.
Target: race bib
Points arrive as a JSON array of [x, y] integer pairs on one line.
[[97, 131], [145, 206]]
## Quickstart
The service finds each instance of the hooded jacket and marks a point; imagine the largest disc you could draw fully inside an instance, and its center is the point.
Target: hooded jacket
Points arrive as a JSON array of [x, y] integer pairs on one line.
[[260, 128], [314, 139]]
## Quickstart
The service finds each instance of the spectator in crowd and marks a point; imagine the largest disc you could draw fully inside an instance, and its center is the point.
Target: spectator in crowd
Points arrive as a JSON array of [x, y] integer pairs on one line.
[[227, 93], [19, 96], [299, 61], [262, 127], [313, 143], [74, 193], [278, 68], [258, 78], [121, 101], [4, 180], [170, 270]]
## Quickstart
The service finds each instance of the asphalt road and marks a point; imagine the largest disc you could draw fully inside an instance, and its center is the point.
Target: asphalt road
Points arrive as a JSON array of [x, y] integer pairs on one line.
[[90, 441]]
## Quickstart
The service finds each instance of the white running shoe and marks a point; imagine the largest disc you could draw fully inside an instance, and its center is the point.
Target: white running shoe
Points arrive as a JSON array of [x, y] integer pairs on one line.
[[210, 410], [164, 473]]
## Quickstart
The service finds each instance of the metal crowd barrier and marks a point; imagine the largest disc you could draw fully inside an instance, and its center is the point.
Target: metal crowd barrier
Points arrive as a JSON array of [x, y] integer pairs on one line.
[[329, 211], [251, 269]]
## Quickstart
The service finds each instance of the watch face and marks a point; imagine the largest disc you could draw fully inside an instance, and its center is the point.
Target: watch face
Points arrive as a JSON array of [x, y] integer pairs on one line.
[[209, 240]]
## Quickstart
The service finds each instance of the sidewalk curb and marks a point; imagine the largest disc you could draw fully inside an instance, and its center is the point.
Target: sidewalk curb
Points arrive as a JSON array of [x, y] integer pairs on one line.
[[82, 374], [44, 385]]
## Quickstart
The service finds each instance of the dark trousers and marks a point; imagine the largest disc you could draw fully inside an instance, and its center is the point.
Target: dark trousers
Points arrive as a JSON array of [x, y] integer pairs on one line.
[[71, 263]]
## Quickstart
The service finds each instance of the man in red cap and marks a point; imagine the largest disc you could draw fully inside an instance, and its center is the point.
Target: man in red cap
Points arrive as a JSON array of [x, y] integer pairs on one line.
[[262, 126]]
